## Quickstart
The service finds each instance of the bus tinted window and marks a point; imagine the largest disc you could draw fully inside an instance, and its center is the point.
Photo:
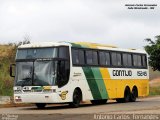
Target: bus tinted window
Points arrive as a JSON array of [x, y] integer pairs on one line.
[[127, 60], [81, 57], [34, 53], [102, 58], [119, 59], [64, 52], [75, 58], [137, 60], [89, 57], [78, 57], [114, 59], [107, 58], [95, 58], [144, 61]]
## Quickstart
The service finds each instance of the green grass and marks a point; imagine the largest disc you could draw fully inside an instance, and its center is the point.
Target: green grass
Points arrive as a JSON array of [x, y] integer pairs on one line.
[[6, 58], [6, 82], [154, 90]]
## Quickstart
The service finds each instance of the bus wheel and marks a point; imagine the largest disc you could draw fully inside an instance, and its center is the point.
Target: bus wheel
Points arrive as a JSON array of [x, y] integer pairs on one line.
[[134, 95], [77, 97], [126, 98], [98, 102], [40, 105], [127, 95], [120, 100]]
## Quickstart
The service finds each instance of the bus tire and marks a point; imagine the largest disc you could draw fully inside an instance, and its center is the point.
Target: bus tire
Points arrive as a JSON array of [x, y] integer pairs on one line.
[[120, 100], [127, 95], [134, 94], [98, 102], [77, 97], [126, 98], [40, 105]]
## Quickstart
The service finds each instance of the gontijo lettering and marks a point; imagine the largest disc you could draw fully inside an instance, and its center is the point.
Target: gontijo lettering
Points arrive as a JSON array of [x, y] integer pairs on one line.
[[122, 73]]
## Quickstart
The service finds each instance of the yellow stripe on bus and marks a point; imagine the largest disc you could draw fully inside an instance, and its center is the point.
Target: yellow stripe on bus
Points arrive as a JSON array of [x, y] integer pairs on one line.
[[109, 84]]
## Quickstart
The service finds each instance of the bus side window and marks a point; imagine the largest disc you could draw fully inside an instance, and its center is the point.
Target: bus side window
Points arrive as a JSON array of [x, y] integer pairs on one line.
[[107, 58], [125, 59], [75, 57], [81, 57], [119, 59], [135, 60], [129, 59], [64, 52], [139, 59], [114, 58], [95, 58], [89, 57], [102, 58], [78, 57], [144, 61]]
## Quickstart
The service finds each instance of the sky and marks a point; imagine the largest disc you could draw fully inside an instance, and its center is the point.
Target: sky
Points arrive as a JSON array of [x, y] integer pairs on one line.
[[97, 21]]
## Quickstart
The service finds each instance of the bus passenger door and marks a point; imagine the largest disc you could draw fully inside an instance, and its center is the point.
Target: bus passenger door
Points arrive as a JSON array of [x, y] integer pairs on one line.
[[63, 73]]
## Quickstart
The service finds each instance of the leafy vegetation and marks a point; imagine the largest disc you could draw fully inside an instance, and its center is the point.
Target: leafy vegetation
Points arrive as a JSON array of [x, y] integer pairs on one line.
[[7, 57], [154, 90], [153, 50]]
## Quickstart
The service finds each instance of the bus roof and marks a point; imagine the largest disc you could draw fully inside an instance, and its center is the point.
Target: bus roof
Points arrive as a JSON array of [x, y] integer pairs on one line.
[[105, 47], [44, 44], [81, 45]]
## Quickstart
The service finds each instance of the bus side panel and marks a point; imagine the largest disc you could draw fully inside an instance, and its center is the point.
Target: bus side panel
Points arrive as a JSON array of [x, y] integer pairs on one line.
[[141, 84], [100, 82], [109, 84], [117, 82], [78, 79], [143, 87]]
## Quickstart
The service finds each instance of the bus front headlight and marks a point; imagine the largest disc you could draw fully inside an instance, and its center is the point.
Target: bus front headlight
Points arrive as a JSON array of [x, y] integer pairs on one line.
[[49, 90], [17, 91], [18, 99]]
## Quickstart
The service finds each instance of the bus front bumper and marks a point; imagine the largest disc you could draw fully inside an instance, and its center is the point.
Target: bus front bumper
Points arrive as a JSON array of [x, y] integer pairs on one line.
[[37, 98]]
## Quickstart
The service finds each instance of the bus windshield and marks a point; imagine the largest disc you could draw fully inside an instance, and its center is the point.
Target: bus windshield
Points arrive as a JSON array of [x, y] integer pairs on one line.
[[34, 53], [39, 66], [38, 73]]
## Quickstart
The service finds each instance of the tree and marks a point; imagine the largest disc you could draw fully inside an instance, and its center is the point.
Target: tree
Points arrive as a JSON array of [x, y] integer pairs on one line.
[[12, 53], [25, 41], [153, 50]]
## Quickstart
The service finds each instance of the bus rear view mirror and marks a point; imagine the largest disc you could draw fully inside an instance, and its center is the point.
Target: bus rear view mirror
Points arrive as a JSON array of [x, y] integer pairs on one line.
[[12, 70]]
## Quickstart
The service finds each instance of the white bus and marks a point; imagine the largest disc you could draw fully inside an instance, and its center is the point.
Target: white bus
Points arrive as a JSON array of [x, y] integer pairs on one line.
[[65, 72]]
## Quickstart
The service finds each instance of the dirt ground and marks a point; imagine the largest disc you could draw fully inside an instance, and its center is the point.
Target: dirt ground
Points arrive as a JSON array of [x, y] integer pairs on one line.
[[148, 106], [155, 82]]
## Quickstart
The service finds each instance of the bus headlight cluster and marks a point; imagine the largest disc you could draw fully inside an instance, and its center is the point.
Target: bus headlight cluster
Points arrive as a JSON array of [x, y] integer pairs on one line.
[[49, 90], [17, 91], [18, 99]]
